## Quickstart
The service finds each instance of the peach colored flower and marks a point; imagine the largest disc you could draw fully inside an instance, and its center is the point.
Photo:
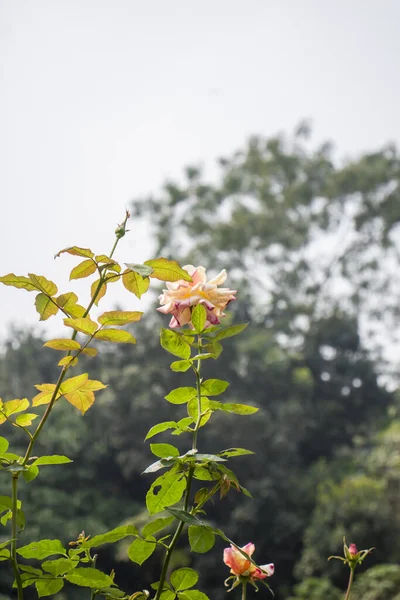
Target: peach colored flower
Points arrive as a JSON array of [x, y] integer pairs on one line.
[[181, 296], [242, 567]]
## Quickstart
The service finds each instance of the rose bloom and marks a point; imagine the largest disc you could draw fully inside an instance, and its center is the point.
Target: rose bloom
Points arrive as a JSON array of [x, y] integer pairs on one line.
[[241, 566], [181, 296]]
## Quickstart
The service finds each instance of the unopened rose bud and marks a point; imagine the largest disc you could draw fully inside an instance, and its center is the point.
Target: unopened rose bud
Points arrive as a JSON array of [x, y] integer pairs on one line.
[[353, 549]]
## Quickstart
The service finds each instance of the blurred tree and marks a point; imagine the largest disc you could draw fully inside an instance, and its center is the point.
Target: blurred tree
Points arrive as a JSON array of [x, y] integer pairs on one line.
[[381, 582]]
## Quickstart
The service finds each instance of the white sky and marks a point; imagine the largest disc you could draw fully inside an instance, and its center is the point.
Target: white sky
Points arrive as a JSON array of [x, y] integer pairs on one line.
[[100, 101]]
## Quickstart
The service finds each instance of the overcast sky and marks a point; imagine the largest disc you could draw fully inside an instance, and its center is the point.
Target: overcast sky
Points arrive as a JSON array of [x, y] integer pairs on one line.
[[101, 100]]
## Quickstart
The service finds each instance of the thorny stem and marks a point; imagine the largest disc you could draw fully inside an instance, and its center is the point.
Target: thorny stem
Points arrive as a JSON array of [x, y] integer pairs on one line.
[[178, 531], [14, 562], [347, 596]]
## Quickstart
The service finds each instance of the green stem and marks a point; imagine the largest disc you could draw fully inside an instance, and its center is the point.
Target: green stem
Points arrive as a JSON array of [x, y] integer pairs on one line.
[[244, 590], [347, 596], [178, 531], [92, 592], [14, 562]]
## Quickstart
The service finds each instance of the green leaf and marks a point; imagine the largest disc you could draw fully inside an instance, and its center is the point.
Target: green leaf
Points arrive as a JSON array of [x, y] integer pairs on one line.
[[45, 306], [181, 395], [185, 516], [140, 550], [164, 450], [156, 525], [201, 539], [43, 285], [6, 502], [167, 595], [135, 283], [18, 281], [41, 549], [235, 452], [230, 331], [183, 579], [193, 409], [115, 335], [165, 491], [193, 595], [214, 348], [63, 344], [239, 409], [48, 587], [213, 387], [60, 566], [83, 325], [180, 366], [167, 270], [173, 343], [84, 269], [163, 463], [183, 425], [142, 270], [159, 428], [119, 317], [199, 318], [76, 251], [55, 459], [88, 577], [4, 554], [26, 419], [119, 533], [3, 445], [30, 474]]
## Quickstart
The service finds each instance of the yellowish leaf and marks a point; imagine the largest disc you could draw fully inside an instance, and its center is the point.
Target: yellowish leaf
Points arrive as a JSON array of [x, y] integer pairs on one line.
[[69, 361], [115, 335], [45, 306], [45, 395], [167, 270], [43, 285], [119, 317], [15, 406], [135, 283], [68, 302], [76, 251], [73, 383], [94, 385], [81, 399], [83, 324], [84, 269], [18, 281], [26, 419], [63, 344], [100, 293], [89, 351]]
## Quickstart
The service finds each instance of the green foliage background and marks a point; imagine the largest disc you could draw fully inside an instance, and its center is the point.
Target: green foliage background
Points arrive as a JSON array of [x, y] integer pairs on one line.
[[311, 247]]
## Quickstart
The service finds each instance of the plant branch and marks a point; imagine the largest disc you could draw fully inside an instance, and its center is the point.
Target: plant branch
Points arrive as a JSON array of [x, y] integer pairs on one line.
[[14, 562]]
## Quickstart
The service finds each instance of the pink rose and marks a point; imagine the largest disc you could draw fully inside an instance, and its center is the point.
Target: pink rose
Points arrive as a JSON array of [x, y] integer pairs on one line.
[[181, 296], [242, 567]]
